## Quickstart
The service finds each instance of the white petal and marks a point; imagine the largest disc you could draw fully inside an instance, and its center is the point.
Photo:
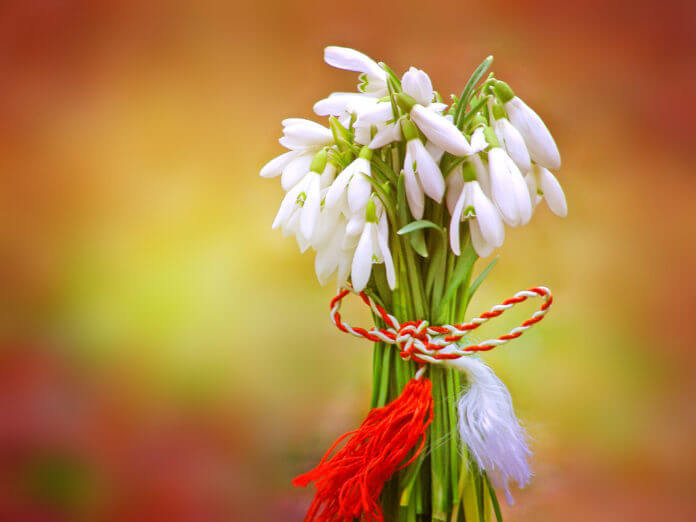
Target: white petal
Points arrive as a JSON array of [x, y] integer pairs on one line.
[[513, 143], [344, 265], [414, 192], [354, 228], [553, 193], [487, 216], [383, 242], [440, 131], [363, 134], [455, 185], [307, 134], [330, 220], [295, 171], [338, 188], [542, 148], [380, 113], [340, 103], [524, 202], [478, 140], [287, 122], [359, 188], [386, 135], [481, 246], [329, 256], [417, 84], [482, 175], [352, 60], [439, 107], [435, 152], [502, 187], [274, 167], [530, 181], [455, 222], [288, 205], [328, 175], [362, 259], [312, 204], [428, 172]]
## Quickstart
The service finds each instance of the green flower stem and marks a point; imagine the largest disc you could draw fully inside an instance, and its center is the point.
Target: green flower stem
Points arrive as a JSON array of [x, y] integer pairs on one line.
[[443, 483]]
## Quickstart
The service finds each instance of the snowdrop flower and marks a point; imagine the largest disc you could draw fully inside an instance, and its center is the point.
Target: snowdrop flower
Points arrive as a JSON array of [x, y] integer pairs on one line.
[[417, 84], [485, 225], [344, 103], [508, 189], [303, 201], [373, 77], [421, 173], [331, 256], [373, 247], [436, 127], [389, 133], [541, 182], [305, 135], [511, 140], [352, 183], [542, 148], [304, 138]]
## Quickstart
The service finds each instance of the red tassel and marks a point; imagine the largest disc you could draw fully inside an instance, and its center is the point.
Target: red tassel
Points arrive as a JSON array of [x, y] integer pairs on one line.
[[349, 483]]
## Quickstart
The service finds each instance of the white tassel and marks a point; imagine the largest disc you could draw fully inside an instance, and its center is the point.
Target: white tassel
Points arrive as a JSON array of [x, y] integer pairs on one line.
[[488, 426]]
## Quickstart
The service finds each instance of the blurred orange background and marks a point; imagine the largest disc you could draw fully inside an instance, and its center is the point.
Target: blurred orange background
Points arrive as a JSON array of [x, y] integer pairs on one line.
[[166, 356]]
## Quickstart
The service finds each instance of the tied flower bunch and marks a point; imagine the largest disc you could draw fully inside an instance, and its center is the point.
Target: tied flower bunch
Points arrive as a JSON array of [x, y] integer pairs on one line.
[[399, 194], [491, 164]]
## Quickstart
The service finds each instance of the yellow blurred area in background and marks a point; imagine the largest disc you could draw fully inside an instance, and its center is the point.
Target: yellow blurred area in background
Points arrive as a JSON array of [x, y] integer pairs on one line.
[[166, 356]]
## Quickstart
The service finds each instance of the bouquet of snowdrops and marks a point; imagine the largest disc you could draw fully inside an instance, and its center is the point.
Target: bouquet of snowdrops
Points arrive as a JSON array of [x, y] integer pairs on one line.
[[399, 195]]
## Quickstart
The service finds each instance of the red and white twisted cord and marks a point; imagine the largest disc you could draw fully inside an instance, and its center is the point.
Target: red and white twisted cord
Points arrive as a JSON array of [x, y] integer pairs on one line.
[[419, 341]]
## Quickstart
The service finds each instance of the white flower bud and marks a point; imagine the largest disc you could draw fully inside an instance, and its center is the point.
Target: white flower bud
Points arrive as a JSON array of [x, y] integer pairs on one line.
[[440, 131], [540, 144]]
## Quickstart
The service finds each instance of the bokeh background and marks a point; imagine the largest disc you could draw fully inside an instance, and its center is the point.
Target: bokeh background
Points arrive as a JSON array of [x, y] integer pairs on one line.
[[166, 356]]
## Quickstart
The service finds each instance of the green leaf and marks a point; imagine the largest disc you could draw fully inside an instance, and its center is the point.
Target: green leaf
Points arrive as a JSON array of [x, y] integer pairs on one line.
[[466, 93], [390, 73], [417, 239], [474, 110], [480, 278], [418, 225], [494, 499]]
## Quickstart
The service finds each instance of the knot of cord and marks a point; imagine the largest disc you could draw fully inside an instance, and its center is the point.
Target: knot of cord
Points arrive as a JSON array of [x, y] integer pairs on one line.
[[425, 344]]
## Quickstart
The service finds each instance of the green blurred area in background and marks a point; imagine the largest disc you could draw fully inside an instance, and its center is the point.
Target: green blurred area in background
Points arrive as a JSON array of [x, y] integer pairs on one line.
[[168, 356]]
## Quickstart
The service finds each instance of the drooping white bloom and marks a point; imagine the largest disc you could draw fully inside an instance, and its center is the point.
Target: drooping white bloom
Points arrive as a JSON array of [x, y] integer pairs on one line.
[[541, 182], [373, 247], [485, 224], [303, 200], [304, 138], [331, 256], [441, 131], [421, 173], [374, 78], [454, 184], [508, 189], [489, 427], [343, 103], [512, 141], [351, 185], [389, 133], [541, 145], [417, 84], [305, 135]]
